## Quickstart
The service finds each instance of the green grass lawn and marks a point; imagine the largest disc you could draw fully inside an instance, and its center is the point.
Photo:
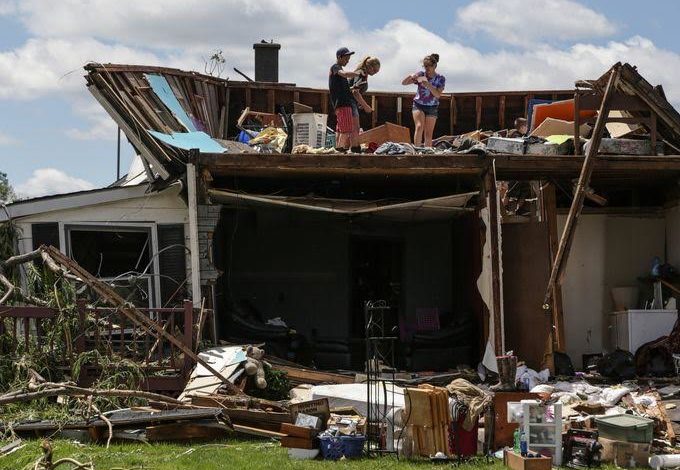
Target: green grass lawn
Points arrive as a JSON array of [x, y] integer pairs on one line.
[[228, 454]]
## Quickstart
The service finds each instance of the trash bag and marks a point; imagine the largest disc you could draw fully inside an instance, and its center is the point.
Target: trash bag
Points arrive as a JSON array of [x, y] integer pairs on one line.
[[618, 365], [563, 365]]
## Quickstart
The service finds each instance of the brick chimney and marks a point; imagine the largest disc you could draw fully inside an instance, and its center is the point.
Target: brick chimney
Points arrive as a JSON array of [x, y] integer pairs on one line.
[[266, 61]]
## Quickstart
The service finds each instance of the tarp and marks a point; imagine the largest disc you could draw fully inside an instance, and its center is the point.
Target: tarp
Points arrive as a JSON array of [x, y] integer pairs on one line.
[[424, 209], [388, 396], [161, 87], [189, 140]]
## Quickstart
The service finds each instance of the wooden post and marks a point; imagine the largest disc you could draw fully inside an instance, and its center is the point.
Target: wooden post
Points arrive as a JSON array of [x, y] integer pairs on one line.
[[399, 103], [374, 114], [501, 112], [192, 195], [454, 114], [579, 194], [527, 98], [490, 183], [577, 123], [271, 101], [550, 217], [478, 112], [227, 100], [188, 335], [248, 97], [652, 130], [324, 103]]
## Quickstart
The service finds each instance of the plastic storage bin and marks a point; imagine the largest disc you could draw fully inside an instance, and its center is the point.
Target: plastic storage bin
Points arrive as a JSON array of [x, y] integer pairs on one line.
[[336, 447], [624, 427]]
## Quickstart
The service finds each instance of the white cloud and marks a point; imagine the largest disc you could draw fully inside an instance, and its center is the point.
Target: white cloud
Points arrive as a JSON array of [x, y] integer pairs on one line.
[[46, 65], [7, 7], [522, 22], [101, 126], [184, 24], [46, 181], [6, 139]]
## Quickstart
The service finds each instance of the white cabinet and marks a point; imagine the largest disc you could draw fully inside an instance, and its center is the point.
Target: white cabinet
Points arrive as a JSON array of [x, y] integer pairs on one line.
[[630, 329]]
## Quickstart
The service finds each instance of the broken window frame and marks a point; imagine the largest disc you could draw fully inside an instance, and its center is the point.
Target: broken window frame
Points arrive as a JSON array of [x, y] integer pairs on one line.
[[150, 228]]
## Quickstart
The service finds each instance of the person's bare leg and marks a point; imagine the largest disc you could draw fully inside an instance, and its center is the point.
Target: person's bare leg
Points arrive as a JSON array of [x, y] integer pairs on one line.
[[429, 129], [354, 136], [419, 121], [342, 140]]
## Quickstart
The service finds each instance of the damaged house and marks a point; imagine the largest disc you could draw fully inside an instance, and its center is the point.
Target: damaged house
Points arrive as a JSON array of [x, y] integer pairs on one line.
[[461, 247]]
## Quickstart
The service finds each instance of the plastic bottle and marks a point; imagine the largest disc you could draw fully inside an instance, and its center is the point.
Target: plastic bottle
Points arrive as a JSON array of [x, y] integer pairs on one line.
[[515, 436], [523, 444]]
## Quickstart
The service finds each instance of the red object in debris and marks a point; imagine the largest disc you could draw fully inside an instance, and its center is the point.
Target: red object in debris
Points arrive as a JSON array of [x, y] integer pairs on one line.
[[462, 443]]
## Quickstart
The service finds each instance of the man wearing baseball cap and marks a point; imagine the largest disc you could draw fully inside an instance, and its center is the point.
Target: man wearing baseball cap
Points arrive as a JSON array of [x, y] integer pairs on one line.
[[343, 102]]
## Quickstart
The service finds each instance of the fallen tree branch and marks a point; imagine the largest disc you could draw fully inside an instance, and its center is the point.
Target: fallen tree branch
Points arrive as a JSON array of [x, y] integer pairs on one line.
[[49, 389], [103, 418]]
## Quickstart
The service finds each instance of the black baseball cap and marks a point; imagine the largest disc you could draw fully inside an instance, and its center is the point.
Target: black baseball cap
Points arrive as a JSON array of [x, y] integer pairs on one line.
[[343, 51]]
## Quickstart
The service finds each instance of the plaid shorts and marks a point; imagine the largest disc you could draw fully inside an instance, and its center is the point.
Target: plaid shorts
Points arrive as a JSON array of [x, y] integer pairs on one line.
[[344, 123]]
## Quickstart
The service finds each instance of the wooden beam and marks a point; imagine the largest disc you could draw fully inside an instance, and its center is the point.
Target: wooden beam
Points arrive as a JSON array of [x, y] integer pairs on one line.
[[564, 247], [478, 112], [494, 221], [227, 100], [399, 114], [324, 102], [249, 98], [652, 131], [271, 101], [374, 114], [454, 114], [501, 112], [550, 217]]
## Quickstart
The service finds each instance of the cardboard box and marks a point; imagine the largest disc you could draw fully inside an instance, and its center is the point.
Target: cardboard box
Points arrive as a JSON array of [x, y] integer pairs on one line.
[[620, 453], [517, 462], [387, 132]]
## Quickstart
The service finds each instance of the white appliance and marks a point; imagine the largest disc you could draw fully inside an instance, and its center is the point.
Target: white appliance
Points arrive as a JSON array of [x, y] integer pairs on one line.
[[630, 329]]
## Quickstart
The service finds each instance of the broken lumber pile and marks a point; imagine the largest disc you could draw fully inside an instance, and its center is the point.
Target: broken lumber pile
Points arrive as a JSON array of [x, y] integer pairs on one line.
[[428, 419]]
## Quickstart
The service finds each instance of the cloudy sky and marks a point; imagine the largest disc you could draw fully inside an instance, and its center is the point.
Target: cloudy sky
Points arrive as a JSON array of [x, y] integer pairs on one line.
[[55, 138]]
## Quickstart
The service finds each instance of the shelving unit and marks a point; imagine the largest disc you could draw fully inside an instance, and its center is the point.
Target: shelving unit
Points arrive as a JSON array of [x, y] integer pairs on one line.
[[542, 426]]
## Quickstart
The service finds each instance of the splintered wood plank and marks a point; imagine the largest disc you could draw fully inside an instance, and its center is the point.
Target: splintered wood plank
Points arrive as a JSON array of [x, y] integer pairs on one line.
[[564, 247], [257, 432]]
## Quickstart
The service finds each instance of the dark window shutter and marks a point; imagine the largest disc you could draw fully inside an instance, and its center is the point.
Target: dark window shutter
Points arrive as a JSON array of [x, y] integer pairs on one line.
[[45, 234], [172, 263]]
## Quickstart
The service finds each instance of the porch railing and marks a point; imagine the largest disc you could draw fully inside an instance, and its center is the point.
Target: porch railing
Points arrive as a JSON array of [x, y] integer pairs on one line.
[[109, 332]]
